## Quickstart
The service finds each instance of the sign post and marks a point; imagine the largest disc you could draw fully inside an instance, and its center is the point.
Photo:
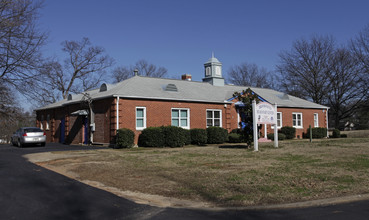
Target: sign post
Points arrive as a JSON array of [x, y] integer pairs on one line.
[[275, 126], [264, 113], [255, 125]]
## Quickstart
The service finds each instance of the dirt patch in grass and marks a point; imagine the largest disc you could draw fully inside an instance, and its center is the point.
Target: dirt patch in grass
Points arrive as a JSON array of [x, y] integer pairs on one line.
[[218, 176]]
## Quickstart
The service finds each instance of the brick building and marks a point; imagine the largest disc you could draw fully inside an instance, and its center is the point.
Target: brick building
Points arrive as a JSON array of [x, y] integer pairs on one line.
[[141, 102]]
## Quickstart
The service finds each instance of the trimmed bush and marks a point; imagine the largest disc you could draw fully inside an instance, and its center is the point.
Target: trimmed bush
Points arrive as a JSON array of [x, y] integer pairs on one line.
[[217, 135], [234, 138], [198, 136], [290, 132], [281, 136], [336, 133], [187, 134], [236, 130], [240, 132], [125, 138], [173, 136], [152, 137], [317, 132]]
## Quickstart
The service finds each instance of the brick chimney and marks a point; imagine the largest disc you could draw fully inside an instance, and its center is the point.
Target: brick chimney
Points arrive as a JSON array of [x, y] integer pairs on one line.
[[187, 77]]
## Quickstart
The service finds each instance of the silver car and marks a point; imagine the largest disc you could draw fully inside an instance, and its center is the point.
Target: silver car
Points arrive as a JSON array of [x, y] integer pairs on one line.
[[28, 135]]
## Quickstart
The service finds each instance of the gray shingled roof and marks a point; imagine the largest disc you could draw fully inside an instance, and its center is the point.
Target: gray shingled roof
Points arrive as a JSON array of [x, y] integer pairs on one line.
[[155, 88]]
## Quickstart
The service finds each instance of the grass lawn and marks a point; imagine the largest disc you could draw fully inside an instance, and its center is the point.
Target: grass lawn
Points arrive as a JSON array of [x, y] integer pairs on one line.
[[225, 175]]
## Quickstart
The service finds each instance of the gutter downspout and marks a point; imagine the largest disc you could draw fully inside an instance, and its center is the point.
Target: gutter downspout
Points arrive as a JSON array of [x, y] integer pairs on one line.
[[92, 125], [117, 113], [326, 115]]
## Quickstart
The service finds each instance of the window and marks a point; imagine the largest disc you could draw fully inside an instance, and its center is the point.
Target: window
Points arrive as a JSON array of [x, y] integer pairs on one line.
[[41, 122], [297, 120], [140, 118], [180, 118], [214, 118], [207, 71], [279, 120], [316, 120], [47, 122]]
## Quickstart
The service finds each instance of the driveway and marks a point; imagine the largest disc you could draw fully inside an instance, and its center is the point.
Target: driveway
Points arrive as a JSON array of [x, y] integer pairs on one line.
[[32, 192]]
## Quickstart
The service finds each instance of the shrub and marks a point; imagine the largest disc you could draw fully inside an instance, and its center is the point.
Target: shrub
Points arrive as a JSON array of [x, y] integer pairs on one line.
[[173, 136], [343, 135], [336, 133], [198, 136], [152, 137], [317, 133], [234, 138], [125, 138], [216, 135], [187, 134], [236, 131], [241, 137], [281, 136], [290, 132]]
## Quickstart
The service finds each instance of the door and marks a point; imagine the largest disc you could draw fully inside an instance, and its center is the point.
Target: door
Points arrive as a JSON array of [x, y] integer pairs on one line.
[[85, 122], [62, 130]]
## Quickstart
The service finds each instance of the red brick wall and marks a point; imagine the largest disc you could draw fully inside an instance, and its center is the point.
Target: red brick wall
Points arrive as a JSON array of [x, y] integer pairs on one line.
[[307, 119], [73, 124], [158, 113]]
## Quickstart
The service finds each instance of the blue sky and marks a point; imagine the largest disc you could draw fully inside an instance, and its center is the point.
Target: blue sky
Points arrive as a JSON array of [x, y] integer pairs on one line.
[[181, 35]]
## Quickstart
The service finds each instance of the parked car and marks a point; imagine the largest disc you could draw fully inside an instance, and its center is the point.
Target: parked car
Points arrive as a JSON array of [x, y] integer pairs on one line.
[[28, 135]]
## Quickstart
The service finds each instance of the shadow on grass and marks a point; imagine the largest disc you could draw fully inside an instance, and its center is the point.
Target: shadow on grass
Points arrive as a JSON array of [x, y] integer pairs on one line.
[[234, 146]]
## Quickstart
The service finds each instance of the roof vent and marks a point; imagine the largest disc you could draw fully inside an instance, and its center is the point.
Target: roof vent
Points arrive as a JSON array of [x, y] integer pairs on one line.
[[285, 96], [69, 97], [171, 88], [103, 87]]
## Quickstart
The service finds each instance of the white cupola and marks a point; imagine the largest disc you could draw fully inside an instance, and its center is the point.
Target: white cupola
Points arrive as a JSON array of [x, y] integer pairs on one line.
[[213, 72]]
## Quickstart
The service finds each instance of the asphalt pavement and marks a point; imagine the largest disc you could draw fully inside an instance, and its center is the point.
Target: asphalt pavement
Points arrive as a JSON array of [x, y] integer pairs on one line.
[[32, 192]]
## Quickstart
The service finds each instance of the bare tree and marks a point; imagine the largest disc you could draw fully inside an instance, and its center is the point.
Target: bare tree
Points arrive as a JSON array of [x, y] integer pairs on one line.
[[11, 116], [304, 69], [20, 40], [85, 63], [83, 70], [122, 73], [144, 69], [247, 74], [348, 88], [7, 101], [360, 47]]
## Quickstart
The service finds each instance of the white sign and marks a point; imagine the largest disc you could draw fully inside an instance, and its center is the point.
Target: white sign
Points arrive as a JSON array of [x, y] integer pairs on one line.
[[265, 113]]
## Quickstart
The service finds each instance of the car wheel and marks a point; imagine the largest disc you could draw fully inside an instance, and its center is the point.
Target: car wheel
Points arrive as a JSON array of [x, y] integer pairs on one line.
[[43, 144], [19, 143]]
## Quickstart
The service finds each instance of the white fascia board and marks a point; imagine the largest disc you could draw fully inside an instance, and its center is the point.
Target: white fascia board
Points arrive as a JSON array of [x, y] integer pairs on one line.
[[171, 99]]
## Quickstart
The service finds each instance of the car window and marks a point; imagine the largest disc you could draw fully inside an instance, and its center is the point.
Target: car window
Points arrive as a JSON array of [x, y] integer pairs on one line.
[[32, 130]]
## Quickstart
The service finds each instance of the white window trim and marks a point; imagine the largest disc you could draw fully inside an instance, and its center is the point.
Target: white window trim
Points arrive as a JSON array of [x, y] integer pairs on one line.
[[206, 116], [238, 118], [41, 122], [144, 118], [296, 126], [188, 117], [48, 122], [317, 120], [281, 119]]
